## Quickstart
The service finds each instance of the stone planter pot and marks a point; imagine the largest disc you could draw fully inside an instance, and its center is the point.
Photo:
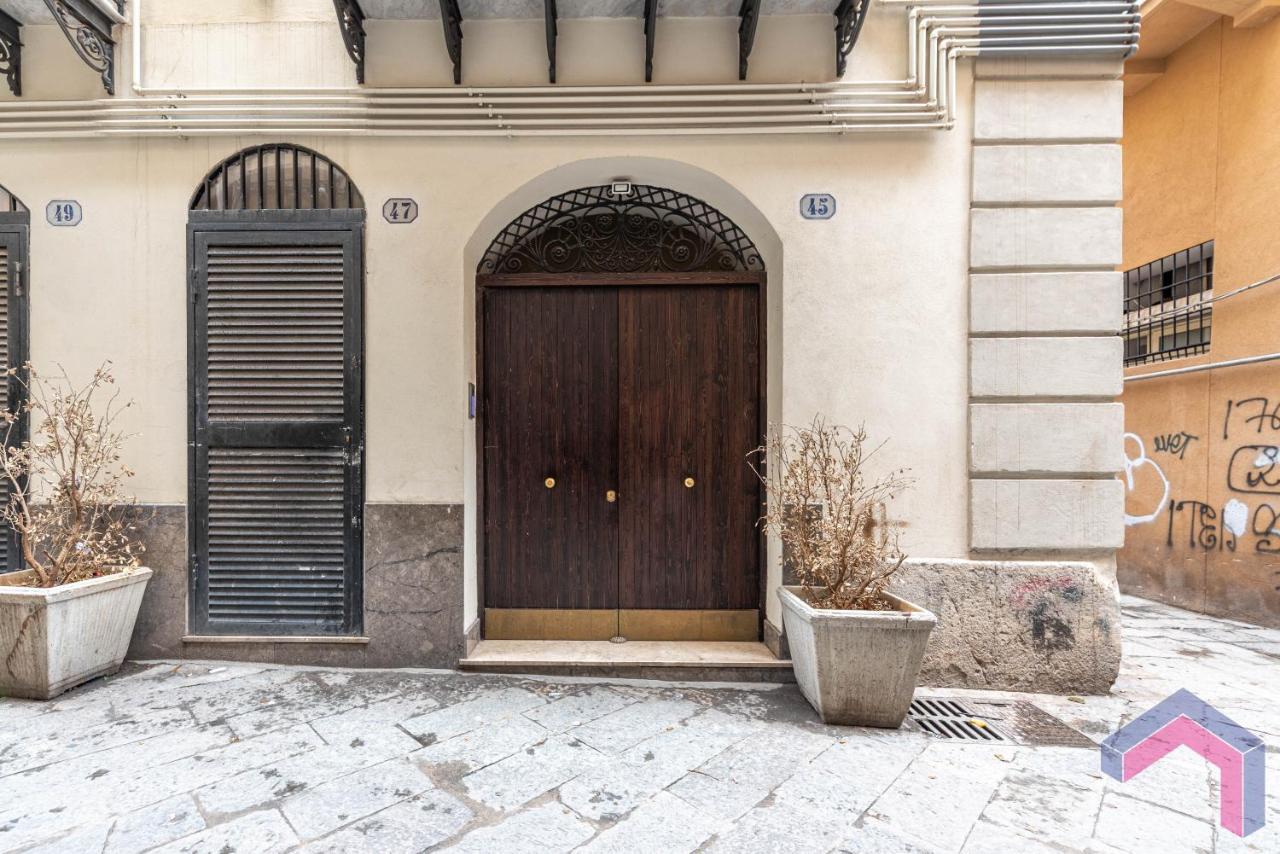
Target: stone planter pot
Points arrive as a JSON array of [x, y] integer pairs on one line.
[[54, 638], [856, 668]]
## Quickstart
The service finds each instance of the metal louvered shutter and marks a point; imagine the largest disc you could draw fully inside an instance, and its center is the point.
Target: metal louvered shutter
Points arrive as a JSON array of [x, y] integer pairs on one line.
[[12, 352], [277, 425]]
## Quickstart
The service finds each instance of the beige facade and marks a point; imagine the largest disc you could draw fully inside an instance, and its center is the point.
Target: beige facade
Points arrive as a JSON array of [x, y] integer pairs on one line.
[[941, 307], [1203, 494]]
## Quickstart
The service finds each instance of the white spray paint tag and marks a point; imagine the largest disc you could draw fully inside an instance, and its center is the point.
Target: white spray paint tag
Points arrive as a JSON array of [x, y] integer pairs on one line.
[[1235, 515]]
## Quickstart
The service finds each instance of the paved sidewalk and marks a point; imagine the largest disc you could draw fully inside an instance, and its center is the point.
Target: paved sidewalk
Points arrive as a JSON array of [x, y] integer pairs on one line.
[[241, 758]]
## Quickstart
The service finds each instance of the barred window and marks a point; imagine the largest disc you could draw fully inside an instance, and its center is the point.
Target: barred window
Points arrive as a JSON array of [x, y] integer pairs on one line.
[[1168, 309]]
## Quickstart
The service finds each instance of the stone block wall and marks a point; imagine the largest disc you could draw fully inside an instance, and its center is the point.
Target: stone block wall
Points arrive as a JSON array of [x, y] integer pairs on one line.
[[1045, 360], [1037, 607]]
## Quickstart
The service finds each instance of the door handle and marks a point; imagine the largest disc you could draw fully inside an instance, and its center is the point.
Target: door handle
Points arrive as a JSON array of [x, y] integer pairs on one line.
[[611, 496], [688, 483], [549, 483]]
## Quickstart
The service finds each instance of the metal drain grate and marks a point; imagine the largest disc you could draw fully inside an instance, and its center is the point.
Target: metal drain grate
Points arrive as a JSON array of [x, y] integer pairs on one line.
[[1033, 725], [1014, 721], [951, 718]]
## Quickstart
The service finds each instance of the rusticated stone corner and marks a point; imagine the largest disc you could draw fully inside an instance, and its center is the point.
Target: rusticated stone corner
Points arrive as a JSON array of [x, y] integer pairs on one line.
[[1043, 626]]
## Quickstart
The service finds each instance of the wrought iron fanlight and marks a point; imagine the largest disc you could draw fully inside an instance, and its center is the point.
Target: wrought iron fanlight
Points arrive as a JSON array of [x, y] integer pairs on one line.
[[590, 230]]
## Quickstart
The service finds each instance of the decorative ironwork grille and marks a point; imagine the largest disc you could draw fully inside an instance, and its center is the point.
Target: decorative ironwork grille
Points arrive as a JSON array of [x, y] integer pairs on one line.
[[591, 230], [276, 177], [1168, 310]]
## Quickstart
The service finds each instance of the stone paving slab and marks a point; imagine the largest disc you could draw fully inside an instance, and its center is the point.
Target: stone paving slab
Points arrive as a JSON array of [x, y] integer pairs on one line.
[[226, 758]]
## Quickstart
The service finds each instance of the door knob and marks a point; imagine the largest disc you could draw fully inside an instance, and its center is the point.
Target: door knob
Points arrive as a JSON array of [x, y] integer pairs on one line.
[[688, 483], [549, 482], [611, 496]]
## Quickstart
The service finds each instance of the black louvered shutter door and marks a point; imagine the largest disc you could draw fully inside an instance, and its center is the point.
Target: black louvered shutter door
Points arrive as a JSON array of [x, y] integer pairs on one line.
[[12, 352], [277, 431]]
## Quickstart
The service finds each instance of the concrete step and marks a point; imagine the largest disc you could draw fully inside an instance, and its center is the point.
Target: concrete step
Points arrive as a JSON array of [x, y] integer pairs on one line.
[[677, 661]]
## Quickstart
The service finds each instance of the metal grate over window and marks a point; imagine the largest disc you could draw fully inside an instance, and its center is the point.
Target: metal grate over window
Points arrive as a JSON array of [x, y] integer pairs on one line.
[[276, 177], [9, 203], [1168, 310]]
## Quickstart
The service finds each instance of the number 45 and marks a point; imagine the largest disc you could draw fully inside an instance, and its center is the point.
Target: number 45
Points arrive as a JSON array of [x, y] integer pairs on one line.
[[819, 206]]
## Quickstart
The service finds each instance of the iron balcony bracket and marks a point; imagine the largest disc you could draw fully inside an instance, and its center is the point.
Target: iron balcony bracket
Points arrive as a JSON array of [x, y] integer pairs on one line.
[[451, 17], [351, 24], [749, 16], [88, 29], [650, 34], [850, 15], [11, 53], [549, 9]]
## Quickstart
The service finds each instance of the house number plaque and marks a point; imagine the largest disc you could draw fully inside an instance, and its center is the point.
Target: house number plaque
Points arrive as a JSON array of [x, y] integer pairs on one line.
[[63, 212], [400, 211], [818, 206]]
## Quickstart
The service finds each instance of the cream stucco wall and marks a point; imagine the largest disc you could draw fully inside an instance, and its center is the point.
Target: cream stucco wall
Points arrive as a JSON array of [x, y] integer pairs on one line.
[[868, 317]]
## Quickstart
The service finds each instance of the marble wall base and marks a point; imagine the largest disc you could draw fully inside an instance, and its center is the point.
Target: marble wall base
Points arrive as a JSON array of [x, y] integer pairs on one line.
[[412, 594]]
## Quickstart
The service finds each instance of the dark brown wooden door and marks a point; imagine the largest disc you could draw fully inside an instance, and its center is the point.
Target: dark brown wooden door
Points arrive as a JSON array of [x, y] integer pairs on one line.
[[689, 414], [616, 423], [550, 416]]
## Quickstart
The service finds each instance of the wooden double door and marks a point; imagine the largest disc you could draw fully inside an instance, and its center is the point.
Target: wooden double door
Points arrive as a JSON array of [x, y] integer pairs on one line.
[[617, 422]]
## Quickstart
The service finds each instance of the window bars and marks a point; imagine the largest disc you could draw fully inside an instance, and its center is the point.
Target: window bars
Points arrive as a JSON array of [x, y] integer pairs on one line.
[[1167, 306], [276, 176]]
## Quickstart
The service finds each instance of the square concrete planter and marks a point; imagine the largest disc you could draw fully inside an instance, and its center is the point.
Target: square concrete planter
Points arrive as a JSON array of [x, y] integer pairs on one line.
[[856, 668], [54, 638]]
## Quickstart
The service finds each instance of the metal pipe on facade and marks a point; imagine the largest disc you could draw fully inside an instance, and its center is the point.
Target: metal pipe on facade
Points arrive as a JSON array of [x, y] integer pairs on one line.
[[1193, 369]]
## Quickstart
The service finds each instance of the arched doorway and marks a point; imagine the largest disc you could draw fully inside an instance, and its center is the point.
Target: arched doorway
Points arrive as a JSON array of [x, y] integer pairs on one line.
[[620, 334], [276, 266], [15, 227]]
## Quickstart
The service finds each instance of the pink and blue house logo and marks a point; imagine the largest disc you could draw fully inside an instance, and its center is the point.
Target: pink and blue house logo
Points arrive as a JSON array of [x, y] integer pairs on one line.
[[1185, 719]]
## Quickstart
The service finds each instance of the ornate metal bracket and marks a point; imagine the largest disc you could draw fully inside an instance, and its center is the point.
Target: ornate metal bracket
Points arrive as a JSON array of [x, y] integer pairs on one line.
[[351, 24], [749, 16], [850, 15], [549, 7], [11, 53], [451, 17], [650, 33], [89, 30]]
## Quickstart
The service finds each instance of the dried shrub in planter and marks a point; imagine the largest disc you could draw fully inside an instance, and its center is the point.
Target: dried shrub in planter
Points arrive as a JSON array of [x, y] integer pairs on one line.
[[65, 483], [828, 513]]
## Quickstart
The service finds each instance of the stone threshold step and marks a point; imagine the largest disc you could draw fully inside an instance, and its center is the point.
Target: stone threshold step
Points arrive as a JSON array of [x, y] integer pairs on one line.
[[705, 661]]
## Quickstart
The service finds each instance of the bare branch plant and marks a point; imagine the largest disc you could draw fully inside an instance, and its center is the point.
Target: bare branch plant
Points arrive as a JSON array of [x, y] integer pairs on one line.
[[829, 513], [65, 483]]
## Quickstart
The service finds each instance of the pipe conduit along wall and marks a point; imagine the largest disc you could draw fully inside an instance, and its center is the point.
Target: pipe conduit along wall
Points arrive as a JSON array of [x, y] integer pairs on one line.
[[938, 35]]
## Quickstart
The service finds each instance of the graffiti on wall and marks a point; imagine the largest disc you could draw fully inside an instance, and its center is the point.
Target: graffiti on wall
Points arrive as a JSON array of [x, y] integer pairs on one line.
[[1249, 519], [1132, 466], [1174, 444]]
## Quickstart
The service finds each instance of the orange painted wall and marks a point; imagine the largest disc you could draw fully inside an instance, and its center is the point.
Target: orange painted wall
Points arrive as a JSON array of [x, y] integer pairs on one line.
[[1202, 161]]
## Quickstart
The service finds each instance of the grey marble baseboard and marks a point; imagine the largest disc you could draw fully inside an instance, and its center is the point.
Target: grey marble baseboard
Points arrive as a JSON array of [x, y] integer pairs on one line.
[[412, 594]]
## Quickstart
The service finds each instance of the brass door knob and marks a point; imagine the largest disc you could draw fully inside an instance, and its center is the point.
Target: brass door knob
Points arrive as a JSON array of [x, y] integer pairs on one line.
[[549, 482], [611, 496], [688, 483]]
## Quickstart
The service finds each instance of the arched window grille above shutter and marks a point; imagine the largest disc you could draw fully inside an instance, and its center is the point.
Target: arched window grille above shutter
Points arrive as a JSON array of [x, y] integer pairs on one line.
[[276, 177]]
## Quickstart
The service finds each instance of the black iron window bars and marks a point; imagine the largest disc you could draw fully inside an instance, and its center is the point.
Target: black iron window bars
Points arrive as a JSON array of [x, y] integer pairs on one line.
[[1168, 311]]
